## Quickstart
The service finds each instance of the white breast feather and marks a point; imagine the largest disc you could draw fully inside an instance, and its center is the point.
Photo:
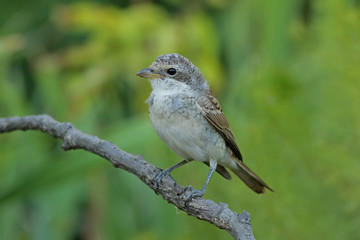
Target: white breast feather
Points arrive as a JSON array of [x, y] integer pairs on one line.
[[190, 136]]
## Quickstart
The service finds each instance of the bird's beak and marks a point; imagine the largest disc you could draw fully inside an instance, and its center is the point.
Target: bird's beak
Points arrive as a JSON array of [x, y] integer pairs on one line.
[[147, 73]]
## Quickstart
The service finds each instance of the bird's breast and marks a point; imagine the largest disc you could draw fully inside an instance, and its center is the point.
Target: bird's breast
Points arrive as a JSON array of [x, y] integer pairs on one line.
[[180, 124]]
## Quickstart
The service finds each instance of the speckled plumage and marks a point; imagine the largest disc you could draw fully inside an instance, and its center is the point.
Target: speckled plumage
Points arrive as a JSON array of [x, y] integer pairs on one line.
[[188, 118]]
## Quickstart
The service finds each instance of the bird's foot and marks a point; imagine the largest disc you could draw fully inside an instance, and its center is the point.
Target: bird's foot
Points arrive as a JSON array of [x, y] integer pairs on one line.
[[194, 193], [158, 177]]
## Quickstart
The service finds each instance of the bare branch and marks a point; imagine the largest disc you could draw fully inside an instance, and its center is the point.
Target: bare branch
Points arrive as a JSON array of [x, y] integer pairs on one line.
[[238, 225]]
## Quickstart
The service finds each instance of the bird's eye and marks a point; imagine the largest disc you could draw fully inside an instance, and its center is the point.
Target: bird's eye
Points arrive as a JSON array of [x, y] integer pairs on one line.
[[171, 71]]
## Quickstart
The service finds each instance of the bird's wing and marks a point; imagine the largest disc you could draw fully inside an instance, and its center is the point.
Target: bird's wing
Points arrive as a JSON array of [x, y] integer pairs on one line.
[[211, 109]]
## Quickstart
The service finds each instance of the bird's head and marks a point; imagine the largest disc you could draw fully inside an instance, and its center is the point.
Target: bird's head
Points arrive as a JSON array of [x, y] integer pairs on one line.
[[174, 69]]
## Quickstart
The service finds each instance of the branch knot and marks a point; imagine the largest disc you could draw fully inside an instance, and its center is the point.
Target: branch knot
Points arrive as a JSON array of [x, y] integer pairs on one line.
[[69, 143]]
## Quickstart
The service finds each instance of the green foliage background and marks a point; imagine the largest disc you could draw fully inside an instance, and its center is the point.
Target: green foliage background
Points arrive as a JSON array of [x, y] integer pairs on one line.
[[286, 73]]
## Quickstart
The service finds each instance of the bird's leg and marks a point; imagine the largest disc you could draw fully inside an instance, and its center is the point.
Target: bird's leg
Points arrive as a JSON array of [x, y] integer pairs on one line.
[[197, 193], [167, 172]]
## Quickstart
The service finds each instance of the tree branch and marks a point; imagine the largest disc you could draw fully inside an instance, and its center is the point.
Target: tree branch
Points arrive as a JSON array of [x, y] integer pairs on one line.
[[238, 225]]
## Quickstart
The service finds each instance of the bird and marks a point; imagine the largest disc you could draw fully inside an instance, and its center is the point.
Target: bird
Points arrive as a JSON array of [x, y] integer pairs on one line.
[[186, 115]]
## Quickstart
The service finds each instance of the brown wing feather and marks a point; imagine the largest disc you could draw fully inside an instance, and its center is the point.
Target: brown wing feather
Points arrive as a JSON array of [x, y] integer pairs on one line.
[[213, 113]]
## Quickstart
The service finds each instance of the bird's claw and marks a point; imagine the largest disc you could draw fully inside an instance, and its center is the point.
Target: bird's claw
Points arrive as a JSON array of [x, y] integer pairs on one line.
[[194, 193], [158, 177]]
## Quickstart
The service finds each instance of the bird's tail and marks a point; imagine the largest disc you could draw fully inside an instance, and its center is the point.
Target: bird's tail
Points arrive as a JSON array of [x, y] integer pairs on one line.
[[250, 178]]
